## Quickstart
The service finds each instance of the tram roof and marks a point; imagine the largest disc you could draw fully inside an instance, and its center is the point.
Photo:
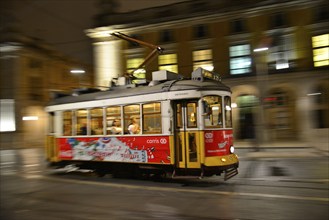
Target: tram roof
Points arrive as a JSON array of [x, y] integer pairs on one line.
[[122, 91]]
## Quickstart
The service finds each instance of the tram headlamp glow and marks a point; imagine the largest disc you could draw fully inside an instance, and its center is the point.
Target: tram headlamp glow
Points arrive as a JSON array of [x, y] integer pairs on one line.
[[231, 149]]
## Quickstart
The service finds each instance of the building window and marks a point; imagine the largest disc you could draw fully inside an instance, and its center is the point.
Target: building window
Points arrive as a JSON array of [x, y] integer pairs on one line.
[[203, 59], [200, 31], [237, 26], [277, 20], [240, 59], [281, 53], [7, 115], [133, 64], [320, 44], [132, 44], [322, 13], [166, 36], [168, 62], [36, 89]]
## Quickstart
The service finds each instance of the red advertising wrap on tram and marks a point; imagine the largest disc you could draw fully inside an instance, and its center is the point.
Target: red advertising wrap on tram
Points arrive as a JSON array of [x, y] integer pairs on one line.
[[218, 142], [141, 149]]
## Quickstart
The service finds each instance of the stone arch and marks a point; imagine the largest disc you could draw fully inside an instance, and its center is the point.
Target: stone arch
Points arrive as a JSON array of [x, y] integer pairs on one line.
[[245, 98]]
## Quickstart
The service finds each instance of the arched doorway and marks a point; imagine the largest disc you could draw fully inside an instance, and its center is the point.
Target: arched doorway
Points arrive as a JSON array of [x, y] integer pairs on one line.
[[246, 104]]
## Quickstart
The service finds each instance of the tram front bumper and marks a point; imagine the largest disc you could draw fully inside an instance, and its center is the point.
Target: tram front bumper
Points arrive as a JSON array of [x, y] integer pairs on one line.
[[222, 161]]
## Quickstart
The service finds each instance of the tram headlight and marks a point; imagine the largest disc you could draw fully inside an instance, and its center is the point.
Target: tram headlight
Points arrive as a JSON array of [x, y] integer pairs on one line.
[[231, 149]]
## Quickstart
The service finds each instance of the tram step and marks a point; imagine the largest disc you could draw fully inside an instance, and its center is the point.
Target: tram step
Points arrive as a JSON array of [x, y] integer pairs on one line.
[[229, 173]]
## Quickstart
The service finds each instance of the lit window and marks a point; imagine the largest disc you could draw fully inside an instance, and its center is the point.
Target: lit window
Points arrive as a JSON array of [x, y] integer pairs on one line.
[[81, 122], [240, 60], [133, 64], [213, 111], [320, 45], [67, 123], [7, 115], [168, 62], [281, 53], [113, 119], [96, 119], [152, 118], [203, 59]]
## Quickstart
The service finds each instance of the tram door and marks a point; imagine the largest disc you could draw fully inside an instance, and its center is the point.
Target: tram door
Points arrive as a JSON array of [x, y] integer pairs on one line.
[[187, 136]]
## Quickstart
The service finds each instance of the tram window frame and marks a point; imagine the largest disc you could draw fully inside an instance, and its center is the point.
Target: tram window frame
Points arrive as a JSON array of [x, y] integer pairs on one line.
[[128, 115], [228, 109], [81, 121], [67, 123], [191, 111], [96, 121], [179, 115], [152, 121], [111, 116], [211, 119]]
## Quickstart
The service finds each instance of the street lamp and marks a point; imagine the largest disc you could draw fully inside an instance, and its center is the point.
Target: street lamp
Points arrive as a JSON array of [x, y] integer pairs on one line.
[[78, 73]]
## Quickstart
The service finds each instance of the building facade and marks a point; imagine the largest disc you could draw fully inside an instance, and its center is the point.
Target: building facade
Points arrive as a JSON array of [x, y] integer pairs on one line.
[[273, 55], [30, 72]]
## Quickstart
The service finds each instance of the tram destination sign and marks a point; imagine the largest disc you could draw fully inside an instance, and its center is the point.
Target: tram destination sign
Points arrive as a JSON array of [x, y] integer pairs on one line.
[[201, 74]]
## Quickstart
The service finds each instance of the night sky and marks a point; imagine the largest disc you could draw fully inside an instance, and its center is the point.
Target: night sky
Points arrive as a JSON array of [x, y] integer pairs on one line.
[[61, 23]]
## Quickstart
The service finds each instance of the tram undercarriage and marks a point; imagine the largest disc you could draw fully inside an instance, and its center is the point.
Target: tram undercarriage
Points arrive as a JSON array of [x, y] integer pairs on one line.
[[139, 171]]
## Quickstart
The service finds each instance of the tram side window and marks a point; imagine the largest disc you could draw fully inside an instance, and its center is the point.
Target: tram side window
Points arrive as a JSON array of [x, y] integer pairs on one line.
[[152, 118], [81, 122], [131, 119], [113, 120], [192, 115], [96, 119], [67, 123], [213, 116], [228, 112]]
